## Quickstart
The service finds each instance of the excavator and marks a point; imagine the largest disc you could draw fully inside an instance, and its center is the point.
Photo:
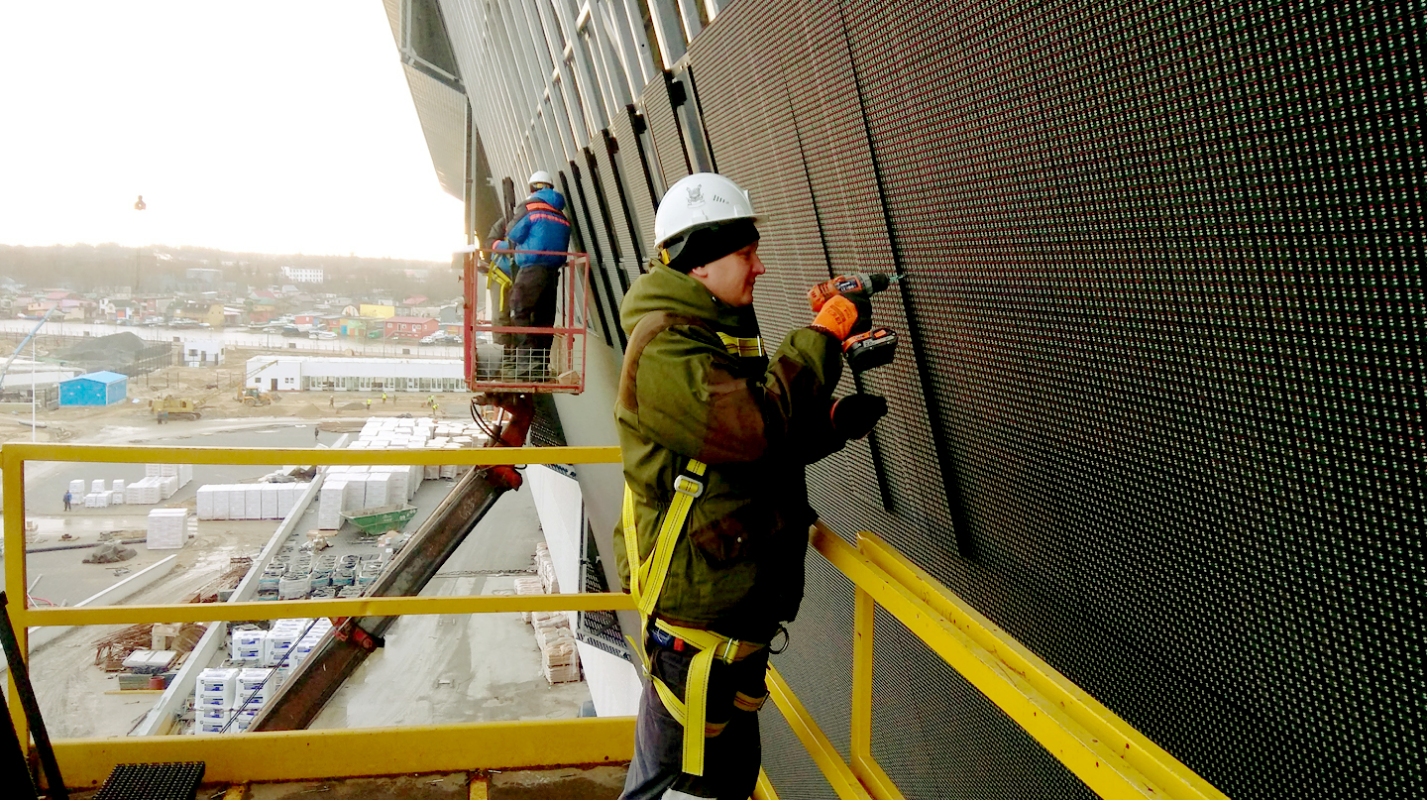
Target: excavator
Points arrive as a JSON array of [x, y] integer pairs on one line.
[[170, 408]]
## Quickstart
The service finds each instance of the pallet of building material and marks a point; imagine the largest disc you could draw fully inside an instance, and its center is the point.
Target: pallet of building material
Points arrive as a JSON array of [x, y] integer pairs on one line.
[[528, 585], [168, 528]]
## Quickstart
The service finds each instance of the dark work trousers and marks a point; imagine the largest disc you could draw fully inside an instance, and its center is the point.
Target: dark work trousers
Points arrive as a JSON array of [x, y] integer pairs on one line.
[[731, 759], [532, 304]]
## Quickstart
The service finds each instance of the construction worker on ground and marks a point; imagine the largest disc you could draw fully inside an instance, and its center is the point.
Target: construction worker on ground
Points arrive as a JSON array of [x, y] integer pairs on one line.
[[369, 404], [716, 434], [540, 226], [383, 398]]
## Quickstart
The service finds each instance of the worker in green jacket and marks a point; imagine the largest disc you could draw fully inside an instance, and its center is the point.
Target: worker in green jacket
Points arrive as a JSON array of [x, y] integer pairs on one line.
[[715, 435]]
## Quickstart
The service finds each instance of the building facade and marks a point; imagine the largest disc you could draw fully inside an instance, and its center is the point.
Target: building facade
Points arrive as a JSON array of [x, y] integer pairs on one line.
[[411, 327], [297, 373], [303, 274]]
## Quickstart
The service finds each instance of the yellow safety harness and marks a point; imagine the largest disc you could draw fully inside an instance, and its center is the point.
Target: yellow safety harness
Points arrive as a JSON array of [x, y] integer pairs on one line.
[[501, 279], [646, 582]]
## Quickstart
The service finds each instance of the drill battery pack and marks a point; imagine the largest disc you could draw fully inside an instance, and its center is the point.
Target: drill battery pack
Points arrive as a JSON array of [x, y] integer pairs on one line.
[[870, 350]]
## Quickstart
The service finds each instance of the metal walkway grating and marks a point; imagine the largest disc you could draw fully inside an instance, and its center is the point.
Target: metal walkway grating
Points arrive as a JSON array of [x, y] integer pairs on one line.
[[178, 781]]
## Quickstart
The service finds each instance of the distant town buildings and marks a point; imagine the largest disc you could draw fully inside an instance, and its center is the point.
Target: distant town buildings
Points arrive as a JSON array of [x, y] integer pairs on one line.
[[303, 274]]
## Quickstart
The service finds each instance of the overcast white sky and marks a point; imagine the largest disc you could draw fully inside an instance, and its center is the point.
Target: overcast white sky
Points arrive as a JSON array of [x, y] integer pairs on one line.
[[275, 127]]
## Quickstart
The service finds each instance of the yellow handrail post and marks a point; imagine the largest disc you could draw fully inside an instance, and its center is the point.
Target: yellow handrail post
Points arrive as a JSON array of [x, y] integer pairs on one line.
[[16, 580], [864, 766], [838, 774]]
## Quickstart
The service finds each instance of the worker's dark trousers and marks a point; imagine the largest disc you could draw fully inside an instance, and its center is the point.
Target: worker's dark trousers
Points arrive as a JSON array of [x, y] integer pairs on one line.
[[532, 304], [731, 759]]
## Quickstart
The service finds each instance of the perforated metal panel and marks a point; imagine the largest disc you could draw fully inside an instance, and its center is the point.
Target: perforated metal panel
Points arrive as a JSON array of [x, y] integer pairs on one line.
[[1163, 263], [636, 188], [673, 161]]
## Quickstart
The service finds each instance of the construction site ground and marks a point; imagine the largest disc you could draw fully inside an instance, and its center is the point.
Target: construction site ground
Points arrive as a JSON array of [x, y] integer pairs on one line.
[[434, 669]]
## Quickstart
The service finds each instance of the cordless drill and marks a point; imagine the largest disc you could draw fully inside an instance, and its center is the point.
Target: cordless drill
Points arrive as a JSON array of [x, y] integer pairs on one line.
[[874, 348]]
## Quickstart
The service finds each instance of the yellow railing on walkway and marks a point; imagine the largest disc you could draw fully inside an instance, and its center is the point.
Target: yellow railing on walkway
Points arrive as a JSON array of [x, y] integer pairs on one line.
[[1111, 757]]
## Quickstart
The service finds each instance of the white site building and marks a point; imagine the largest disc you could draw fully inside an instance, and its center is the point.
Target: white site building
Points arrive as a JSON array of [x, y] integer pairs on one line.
[[202, 352], [299, 373], [303, 274]]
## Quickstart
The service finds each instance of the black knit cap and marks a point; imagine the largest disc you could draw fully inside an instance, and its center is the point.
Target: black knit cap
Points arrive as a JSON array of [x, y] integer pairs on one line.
[[705, 245]]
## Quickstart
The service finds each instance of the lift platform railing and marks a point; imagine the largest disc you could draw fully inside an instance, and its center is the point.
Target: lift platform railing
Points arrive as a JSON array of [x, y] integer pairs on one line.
[[503, 357], [1106, 753]]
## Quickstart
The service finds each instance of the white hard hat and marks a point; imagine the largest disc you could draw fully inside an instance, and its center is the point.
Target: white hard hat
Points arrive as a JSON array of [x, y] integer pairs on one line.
[[699, 201], [540, 176]]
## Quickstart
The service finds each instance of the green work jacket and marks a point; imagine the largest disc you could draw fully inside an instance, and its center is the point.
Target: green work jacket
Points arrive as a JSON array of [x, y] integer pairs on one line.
[[756, 421]]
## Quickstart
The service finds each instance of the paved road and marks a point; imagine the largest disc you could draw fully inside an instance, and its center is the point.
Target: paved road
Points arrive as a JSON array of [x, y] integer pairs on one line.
[[243, 337]]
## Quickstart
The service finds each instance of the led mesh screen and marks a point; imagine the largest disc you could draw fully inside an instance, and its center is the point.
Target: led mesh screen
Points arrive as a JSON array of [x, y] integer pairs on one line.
[[1162, 275]]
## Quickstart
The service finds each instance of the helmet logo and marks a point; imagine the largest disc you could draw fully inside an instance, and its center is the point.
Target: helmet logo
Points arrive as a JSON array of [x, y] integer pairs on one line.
[[696, 196]]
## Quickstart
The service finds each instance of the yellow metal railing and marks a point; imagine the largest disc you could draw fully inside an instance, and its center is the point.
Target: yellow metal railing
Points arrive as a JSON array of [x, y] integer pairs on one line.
[[1111, 757]]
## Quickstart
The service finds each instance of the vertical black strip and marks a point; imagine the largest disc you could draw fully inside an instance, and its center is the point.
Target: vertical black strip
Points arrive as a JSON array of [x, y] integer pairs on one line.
[[950, 481], [598, 266], [578, 239], [640, 125], [699, 115], [611, 147], [604, 212]]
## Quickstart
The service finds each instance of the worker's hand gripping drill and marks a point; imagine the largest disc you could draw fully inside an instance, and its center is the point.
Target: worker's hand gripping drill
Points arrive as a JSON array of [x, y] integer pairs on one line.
[[844, 310]]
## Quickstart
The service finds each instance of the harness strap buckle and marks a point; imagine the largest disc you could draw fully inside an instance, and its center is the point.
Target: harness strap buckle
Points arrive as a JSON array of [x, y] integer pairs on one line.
[[689, 485]]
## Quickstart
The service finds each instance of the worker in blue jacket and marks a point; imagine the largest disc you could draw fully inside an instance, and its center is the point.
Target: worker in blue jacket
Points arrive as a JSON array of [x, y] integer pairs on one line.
[[542, 226]]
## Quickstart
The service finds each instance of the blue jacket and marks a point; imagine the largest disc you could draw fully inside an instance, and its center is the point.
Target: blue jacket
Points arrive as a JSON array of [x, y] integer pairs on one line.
[[541, 226]]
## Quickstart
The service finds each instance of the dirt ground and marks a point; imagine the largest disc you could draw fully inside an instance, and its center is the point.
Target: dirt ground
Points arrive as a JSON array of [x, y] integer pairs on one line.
[[216, 389]]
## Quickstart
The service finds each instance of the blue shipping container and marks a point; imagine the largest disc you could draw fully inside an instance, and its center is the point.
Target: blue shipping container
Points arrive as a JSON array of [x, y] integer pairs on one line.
[[94, 389]]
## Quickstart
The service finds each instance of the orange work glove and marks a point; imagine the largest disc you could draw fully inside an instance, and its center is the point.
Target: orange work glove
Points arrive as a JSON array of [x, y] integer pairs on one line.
[[842, 317]]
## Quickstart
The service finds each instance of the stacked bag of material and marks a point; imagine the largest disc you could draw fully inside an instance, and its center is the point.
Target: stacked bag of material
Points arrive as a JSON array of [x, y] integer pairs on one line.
[[529, 585], [168, 528], [76, 487], [559, 661], [545, 568]]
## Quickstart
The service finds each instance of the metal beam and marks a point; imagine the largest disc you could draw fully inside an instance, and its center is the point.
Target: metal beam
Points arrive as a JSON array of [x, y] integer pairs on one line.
[[12, 454], [314, 755]]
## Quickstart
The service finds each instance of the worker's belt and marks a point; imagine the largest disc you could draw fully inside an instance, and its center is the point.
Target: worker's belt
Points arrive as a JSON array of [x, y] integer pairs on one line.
[[646, 582]]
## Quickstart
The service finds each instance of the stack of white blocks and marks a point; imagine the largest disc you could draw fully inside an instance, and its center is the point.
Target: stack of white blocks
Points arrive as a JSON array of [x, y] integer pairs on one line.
[[361, 488], [183, 472], [168, 528], [213, 700], [98, 496], [255, 686], [302, 648], [248, 501], [246, 646]]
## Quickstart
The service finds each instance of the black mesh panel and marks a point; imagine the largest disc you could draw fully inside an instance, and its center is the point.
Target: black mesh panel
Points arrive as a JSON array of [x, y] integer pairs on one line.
[[1162, 262]]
